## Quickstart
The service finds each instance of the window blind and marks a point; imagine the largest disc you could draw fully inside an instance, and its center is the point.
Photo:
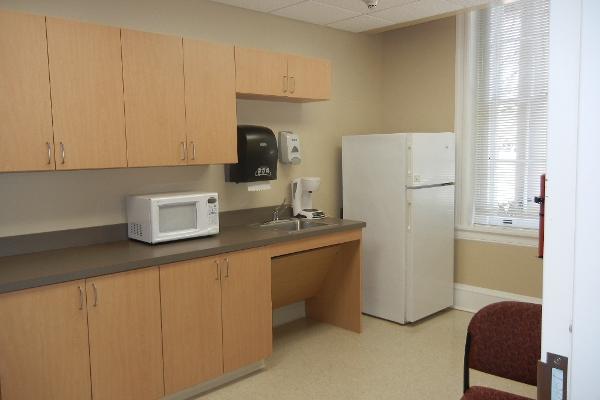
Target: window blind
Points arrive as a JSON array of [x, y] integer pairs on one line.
[[510, 101]]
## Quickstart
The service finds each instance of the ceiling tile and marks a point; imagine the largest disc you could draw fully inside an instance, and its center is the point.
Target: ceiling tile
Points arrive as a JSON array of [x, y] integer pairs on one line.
[[471, 3], [417, 10], [358, 6], [385, 4], [259, 5], [360, 24], [316, 13]]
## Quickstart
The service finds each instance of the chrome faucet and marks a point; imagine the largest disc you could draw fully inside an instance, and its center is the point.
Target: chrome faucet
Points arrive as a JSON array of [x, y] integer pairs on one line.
[[278, 209]]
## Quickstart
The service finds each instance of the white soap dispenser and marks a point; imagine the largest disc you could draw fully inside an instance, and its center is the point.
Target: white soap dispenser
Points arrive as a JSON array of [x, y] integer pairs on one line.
[[289, 148]]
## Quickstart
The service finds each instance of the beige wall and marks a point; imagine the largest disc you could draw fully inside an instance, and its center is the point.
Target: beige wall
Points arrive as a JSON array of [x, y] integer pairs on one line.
[[36, 202], [418, 93], [515, 269], [418, 89]]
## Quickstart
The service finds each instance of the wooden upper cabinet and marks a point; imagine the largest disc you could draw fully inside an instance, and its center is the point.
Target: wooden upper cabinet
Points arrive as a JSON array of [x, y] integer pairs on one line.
[[211, 121], [26, 142], [191, 320], [246, 303], [309, 78], [87, 95], [44, 350], [125, 336], [154, 99], [260, 72]]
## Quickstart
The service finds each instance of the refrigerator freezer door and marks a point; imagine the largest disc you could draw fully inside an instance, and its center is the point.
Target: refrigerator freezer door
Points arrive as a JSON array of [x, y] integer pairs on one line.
[[374, 171], [430, 251], [431, 159]]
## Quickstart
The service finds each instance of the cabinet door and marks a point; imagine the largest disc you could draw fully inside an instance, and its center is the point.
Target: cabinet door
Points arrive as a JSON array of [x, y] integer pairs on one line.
[[309, 78], [87, 95], [25, 115], [154, 99], [260, 72], [125, 336], [44, 344], [211, 122], [247, 318], [191, 319]]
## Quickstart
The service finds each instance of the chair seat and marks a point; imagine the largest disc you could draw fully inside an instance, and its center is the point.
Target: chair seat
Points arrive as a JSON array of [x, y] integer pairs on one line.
[[484, 393]]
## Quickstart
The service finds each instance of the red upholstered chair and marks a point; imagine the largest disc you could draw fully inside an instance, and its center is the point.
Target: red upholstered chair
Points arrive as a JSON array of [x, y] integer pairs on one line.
[[503, 339]]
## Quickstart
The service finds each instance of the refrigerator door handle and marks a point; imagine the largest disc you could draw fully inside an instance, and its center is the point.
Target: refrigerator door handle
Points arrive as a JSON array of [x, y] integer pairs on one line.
[[409, 215], [434, 185]]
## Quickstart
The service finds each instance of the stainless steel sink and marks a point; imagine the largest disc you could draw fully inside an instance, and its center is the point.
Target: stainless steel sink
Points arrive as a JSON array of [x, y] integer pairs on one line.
[[293, 224]]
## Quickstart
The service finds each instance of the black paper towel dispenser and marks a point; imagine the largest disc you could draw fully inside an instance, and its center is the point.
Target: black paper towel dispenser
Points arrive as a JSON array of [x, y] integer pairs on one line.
[[257, 155]]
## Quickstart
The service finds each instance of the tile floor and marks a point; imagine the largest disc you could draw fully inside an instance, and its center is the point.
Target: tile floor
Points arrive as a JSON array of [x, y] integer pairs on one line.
[[387, 361]]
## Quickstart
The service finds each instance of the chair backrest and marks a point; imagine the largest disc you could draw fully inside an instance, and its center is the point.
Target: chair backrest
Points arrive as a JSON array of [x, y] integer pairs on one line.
[[504, 339]]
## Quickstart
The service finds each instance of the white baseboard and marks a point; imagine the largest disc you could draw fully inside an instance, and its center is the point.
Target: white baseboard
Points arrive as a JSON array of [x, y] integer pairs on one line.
[[289, 313], [472, 298]]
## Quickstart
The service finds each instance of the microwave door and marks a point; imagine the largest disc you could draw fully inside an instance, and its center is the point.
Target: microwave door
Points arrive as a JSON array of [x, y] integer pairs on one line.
[[176, 219]]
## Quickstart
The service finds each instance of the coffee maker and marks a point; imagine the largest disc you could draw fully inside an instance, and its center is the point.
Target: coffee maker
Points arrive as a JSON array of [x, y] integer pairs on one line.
[[302, 190]]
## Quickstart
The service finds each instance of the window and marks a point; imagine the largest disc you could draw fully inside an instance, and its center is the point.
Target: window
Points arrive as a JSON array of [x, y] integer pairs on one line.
[[509, 110]]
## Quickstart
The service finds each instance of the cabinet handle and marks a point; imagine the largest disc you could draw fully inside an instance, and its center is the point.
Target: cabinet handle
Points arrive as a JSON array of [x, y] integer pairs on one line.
[[227, 268], [49, 147], [285, 84], [218, 272], [80, 297], [292, 84], [62, 152], [193, 150], [95, 294], [183, 150]]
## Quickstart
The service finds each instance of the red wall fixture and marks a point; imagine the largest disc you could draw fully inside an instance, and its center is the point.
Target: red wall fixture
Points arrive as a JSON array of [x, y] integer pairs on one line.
[[541, 199]]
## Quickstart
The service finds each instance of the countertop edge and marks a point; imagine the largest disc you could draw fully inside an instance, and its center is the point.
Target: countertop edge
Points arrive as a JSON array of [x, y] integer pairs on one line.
[[125, 266]]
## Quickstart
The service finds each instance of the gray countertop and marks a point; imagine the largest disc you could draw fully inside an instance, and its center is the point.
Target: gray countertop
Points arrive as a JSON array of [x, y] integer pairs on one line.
[[55, 266]]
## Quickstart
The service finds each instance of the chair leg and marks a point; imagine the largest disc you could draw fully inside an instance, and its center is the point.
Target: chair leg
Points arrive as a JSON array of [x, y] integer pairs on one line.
[[466, 383]]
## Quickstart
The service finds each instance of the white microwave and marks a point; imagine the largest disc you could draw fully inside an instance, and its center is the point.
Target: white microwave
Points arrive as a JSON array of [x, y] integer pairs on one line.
[[156, 218]]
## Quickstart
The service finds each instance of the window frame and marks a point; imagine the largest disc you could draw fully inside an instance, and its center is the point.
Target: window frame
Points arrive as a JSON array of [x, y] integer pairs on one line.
[[465, 229]]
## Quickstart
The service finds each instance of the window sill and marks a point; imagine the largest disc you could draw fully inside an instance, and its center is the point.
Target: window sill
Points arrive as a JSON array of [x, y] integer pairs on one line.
[[510, 236]]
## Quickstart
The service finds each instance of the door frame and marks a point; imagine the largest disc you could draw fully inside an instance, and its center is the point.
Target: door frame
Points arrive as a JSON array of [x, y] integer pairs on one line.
[[571, 276]]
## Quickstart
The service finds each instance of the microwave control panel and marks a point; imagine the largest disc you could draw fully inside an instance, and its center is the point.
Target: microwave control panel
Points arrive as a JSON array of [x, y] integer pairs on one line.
[[213, 211]]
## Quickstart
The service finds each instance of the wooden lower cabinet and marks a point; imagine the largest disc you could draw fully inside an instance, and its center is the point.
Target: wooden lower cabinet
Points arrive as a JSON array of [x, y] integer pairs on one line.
[[139, 334], [125, 336], [191, 316], [216, 315], [246, 308], [44, 344]]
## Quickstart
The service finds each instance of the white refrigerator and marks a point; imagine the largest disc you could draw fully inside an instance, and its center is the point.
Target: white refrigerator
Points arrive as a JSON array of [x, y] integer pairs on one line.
[[402, 186]]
